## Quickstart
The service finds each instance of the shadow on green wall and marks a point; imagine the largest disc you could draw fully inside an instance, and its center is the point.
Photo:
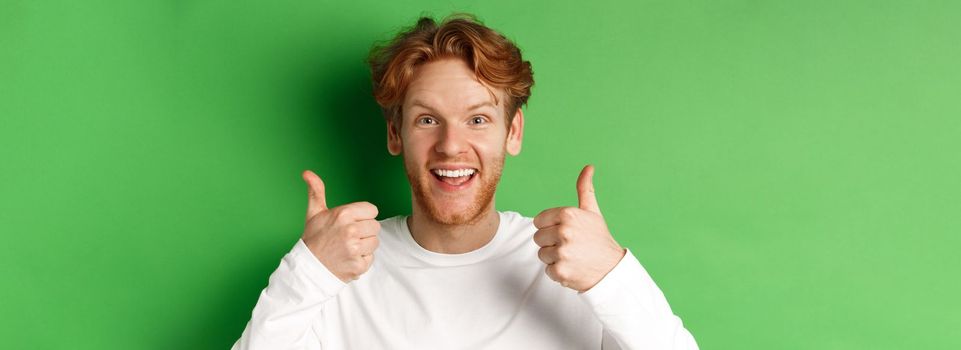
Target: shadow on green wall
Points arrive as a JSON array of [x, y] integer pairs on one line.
[[333, 99], [348, 110]]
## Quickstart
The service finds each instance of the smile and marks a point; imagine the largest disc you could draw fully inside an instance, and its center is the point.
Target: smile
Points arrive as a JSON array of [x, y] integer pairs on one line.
[[454, 179]]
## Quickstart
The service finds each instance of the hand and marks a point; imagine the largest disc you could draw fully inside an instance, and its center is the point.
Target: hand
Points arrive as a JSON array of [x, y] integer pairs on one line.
[[343, 238], [575, 242]]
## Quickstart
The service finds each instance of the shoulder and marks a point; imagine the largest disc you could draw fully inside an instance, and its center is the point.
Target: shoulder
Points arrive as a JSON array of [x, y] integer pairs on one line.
[[515, 221], [517, 229], [392, 232]]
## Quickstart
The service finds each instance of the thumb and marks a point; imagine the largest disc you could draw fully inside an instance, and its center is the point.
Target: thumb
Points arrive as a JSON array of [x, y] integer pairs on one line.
[[316, 198], [585, 190]]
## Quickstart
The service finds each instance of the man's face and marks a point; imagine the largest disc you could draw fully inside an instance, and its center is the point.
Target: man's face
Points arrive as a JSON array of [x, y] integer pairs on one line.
[[453, 139]]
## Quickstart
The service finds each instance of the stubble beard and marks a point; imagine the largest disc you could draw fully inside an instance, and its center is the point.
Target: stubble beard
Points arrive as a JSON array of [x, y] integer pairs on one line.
[[487, 185]]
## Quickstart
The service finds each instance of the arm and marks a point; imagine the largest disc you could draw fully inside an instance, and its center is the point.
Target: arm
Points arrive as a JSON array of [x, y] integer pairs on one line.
[[581, 254], [634, 311], [337, 247], [290, 304]]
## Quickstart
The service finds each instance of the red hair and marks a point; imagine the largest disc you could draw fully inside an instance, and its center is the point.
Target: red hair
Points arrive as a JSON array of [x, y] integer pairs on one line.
[[496, 61]]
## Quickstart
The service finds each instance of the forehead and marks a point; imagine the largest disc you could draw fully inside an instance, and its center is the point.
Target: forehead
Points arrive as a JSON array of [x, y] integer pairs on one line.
[[448, 84]]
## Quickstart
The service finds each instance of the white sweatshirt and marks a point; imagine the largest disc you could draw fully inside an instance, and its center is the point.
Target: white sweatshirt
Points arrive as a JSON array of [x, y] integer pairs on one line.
[[495, 297]]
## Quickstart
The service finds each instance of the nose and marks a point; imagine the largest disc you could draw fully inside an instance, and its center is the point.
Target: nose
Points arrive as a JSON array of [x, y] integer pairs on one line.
[[451, 142]]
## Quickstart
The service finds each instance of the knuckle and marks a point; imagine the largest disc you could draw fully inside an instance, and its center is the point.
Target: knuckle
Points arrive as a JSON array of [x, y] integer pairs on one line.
[[562, 254], [371, 229], [348, 248], [370, 206], [351, 230], [561, 273], [339, 213], [568, 213], [552, 272], [538, 219], [353, 249], [564, 234]]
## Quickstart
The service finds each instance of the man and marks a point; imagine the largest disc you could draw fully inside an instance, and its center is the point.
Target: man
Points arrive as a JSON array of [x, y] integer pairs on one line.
[[456, 273]]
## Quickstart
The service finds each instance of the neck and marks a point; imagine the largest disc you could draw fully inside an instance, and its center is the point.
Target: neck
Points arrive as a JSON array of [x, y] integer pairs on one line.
[[453, 239]]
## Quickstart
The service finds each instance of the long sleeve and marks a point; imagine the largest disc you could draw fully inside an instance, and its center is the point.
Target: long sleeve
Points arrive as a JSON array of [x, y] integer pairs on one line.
[[288, 307], [634, 311]]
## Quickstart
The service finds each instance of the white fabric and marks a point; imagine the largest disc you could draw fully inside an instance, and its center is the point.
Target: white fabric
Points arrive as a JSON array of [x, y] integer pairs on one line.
[[495, 297]]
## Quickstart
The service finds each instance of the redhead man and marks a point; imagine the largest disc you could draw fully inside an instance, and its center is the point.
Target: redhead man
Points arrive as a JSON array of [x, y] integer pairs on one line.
[[456, 273]]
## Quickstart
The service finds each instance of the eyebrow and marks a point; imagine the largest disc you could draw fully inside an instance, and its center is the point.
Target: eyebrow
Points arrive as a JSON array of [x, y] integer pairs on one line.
[[479, 105], [471, 108]]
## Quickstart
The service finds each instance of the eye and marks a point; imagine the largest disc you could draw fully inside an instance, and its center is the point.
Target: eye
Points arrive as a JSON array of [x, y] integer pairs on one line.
[[426, 120], [478, 120]]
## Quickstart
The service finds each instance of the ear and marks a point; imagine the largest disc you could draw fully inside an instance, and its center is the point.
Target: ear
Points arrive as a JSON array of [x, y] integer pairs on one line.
[[394, 144], [515, 134]]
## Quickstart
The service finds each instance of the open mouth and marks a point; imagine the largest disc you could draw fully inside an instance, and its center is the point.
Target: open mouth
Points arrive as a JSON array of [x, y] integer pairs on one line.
[[454, 179]]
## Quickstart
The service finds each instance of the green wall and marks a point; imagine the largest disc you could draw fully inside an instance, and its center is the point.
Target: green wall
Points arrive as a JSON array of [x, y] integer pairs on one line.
[[788, 171]]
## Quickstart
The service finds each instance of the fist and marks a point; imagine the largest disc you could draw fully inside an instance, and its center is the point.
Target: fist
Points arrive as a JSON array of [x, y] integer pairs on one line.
[[575, 242], [342, 238]]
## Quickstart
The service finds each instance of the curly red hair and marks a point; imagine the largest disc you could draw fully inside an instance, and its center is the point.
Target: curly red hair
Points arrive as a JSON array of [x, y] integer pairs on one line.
[[496, 61]]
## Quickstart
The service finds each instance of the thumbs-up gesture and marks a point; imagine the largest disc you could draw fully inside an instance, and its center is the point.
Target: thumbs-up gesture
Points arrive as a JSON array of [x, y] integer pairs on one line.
[[342, 238], [575, 242]]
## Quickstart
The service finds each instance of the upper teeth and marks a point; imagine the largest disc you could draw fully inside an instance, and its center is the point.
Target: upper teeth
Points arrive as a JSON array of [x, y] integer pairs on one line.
[[454, 173]]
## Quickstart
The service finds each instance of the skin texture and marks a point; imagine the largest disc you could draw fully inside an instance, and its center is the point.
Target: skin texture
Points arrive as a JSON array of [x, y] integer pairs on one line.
[[451, 120]]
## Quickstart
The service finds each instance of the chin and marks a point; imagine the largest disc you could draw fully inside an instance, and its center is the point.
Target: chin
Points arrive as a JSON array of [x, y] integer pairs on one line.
[[458, 212], [463, 209]]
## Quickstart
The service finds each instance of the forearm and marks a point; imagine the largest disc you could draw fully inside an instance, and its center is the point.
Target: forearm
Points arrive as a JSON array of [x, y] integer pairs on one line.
[[634, 311], [290, 304]]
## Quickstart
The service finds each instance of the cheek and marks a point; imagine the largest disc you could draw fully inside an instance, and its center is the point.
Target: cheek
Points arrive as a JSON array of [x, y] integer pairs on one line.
[[490, 148], [416, 147], [494, 140]]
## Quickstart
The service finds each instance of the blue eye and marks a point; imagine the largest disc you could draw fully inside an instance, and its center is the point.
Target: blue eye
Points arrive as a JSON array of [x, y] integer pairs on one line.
[[478, 120]]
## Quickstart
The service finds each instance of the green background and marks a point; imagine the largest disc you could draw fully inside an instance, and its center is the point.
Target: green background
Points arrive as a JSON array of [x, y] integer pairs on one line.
[[788, 171]]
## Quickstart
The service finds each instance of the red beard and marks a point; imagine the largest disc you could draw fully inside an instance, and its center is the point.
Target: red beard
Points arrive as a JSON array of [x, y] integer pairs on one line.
[[420, 183]]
